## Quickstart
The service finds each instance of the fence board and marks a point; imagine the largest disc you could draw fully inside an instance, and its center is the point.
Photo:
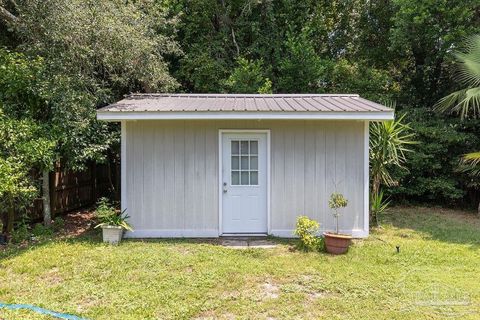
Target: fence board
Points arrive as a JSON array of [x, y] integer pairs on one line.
[[70, 190]]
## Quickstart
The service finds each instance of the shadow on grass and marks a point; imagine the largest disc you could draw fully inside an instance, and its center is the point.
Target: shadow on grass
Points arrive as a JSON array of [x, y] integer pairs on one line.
[[12, 250], [452, 226], [93, 237]]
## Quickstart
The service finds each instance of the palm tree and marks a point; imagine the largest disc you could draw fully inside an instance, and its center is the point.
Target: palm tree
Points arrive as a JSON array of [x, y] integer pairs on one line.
[[389, 142], [466, 102]]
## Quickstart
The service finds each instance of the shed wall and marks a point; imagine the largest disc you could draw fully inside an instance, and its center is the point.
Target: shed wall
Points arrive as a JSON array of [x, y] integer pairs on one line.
[[171, 181]]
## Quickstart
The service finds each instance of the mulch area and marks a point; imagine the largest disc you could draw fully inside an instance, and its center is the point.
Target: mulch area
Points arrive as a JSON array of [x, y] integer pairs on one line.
[[78, 222]]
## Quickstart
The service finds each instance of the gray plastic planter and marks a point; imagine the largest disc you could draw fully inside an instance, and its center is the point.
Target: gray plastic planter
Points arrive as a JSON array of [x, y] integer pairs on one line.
[[112, 234]]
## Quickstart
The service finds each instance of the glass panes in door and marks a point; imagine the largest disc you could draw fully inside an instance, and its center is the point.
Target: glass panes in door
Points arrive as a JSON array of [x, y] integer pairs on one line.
[[244, 165]]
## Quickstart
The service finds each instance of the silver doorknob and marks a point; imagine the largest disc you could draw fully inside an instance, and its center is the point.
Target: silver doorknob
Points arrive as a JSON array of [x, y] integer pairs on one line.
[[225, 187]]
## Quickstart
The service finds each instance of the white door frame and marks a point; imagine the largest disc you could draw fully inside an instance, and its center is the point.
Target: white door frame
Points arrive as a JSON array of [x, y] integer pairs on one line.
[[220, 176]]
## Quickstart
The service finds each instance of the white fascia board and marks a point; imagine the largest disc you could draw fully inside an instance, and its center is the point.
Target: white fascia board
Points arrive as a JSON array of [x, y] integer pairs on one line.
[[147, 115]]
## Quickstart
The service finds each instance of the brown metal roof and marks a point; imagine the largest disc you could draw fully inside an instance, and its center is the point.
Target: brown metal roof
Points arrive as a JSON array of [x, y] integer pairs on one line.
[[291, 103]]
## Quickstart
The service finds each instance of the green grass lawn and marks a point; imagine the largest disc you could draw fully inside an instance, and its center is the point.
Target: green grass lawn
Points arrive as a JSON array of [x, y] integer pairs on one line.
[[435, 275]]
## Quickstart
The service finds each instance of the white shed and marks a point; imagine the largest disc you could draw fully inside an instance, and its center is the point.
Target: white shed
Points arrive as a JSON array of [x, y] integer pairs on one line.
[[207, 165]]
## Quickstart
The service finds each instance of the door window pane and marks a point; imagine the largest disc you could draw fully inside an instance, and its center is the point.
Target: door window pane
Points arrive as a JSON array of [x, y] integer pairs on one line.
[[244, 165], [253, 147], [244, 147], [235, 147], [235, 163], [253, 163], [244, 179], [235, 178], [253, 177]]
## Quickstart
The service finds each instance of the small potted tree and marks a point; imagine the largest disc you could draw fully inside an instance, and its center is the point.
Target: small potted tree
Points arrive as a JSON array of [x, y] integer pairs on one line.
[[337, 243], [113, 223]]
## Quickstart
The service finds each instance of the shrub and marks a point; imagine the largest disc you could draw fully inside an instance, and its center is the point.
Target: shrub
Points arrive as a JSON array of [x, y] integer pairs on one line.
[[58, 224], [21, 233], [306, 230], [39, 230]]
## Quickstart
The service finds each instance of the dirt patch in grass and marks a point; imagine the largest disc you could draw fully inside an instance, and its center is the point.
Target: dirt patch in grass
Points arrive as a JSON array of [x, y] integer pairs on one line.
[[52, 277], [78, 223], [311, 285], [269, 290]]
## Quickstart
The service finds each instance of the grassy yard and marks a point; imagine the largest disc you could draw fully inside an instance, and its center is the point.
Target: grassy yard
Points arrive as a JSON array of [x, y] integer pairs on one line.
[[435, 275]]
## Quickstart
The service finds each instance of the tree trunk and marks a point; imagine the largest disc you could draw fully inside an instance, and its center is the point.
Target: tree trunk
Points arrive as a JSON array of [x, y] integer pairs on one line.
[[10, 216], [47, 212], [7, 16], [375, 190], [478, 210], [3, 217]]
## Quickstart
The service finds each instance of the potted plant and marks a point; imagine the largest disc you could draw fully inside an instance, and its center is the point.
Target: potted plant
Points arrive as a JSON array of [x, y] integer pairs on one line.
[[337, 243], [112, 222]]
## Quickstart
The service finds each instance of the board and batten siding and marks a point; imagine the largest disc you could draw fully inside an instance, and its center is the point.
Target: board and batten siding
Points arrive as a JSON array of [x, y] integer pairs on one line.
[[171, 181]]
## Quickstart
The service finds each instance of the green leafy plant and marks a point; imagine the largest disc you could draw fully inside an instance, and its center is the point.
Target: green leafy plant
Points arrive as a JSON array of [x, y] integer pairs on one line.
[[306, 230], [108, 216], [336, 202], [378, 204], [21, 231], [389, 141], [248, 77], [39, 230], [58, 224]]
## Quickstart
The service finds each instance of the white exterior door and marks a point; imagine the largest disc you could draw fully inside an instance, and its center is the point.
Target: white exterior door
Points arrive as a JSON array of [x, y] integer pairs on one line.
[[244, 183]]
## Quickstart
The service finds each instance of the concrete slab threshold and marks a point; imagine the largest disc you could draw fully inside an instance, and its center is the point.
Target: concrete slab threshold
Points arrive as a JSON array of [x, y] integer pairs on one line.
[[247, 242]]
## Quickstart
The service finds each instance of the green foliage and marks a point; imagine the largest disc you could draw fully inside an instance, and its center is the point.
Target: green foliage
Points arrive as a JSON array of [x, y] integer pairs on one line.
[[202, 72], [378, 204], [337, 201], [344, 76], [422, 33], [39, 230], [115, 46], [465, 101], [299, 69], [108, 216], [21, 231], [58, 224], [23, 146], [389, 142], [431, 168], [248, 77], [59, 105], [306, 230]]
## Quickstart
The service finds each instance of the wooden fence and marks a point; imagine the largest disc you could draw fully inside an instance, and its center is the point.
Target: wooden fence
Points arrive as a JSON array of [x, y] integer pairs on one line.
[[71, 190]]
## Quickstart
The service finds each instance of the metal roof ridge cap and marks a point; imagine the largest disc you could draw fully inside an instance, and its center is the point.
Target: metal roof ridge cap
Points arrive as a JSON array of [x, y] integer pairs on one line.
[[246, 95]]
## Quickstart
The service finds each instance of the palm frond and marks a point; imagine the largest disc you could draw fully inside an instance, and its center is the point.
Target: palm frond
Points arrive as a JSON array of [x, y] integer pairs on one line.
[[463, 102], [389, 143], [466, 101], [469, 62], [470, 164], [472, 158]]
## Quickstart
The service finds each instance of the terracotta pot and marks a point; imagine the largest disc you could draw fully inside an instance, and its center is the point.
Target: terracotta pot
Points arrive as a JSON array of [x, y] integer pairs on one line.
[[337, 243]]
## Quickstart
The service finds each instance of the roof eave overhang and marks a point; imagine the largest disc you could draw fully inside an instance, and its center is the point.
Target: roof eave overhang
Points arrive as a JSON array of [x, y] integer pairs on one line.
[[146, 115]]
